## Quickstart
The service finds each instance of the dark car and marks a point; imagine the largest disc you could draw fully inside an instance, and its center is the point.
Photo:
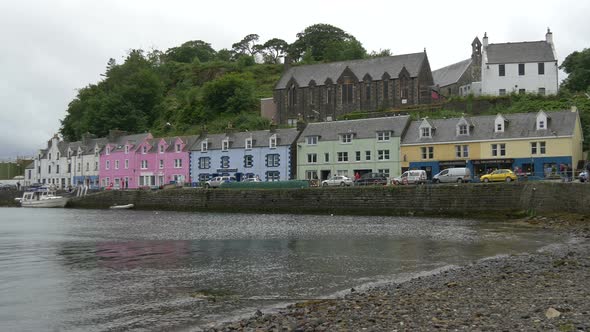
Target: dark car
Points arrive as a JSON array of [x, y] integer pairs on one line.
[[371, 179]]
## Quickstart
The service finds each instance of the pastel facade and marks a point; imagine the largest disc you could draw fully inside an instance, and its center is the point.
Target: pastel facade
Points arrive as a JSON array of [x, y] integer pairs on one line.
[[267, 154], [350, 147], [163, 161], [531, 143], [119, 162]]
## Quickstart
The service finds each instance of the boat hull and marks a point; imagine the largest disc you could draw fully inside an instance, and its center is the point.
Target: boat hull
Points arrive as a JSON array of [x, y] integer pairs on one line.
[[126, 206], [47, 203]]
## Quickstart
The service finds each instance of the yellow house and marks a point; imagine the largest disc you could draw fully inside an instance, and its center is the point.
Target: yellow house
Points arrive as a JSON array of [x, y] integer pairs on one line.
[[531, 143]]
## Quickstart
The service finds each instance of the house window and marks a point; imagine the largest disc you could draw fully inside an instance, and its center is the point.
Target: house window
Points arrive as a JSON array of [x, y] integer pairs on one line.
[[126, 164], [57, 158], [116, 164], [272, 142], [107, 152], [248, 161], [107, 165], [542, 91], [342, 156], [347, 93], [427, 152], [291, 122], [404, 89], [312, 158], [87, 167], [501, 70], [542, 147], [342, 172], [126, 149], [57, 169], [161, 163], [273, 160], [312, 140], [204, 162], [161, 148], [292, 96], [144, 164], [224, 145], [425, 132], [368, 91], [499, 127], [498, 150], [382, 154], [225, 162], [326, 157], [204, 146], [49, 169], [96, 165], [541, 124], [177, 163], [177, 147], [502, 92], [357, 156], [533, 147], [144, 149], [384, 171], [385, 90], [346, 138], [78, 166], [541, 67], [69, 168], [248, 143], [273, 176], [462, 151], [521, 69], [329, 96], [463, 129], [311, 175], [367, 155], [383, 136]]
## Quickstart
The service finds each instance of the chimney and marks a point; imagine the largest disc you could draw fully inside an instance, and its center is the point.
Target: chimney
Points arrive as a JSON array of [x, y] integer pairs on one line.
[[273, 128], [549, 36], [574, 109], [286, 63], [203, 132], [485, 39], [86, 137], [230, 129]]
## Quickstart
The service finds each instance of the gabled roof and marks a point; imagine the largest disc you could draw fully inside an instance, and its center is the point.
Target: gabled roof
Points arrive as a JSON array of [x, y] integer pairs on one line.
[[362, 128], [375, 67], [260, 138], [536, 51], [134, 140], [450, 74], [520, 125]]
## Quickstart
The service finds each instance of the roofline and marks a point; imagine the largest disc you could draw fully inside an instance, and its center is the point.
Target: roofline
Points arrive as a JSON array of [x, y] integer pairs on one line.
[[510, 62], [383, 117], [488, 140]]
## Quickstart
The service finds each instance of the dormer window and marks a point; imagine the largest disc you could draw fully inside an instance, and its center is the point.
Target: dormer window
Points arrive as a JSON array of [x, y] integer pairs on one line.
[[463, 129], [177, 147], [225, 145], [57, 156], [144, 149], [127, 149], [248, 143], [346, 138], [499, 124], [204, 146], [272, 142], [161, 148], [79, 151], [312, 140], [425, 132], [383, 136], [108, 150], [541, 124], [542, 119]]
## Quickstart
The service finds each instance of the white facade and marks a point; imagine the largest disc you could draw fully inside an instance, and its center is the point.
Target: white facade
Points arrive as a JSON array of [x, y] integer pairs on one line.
[[532, 80]]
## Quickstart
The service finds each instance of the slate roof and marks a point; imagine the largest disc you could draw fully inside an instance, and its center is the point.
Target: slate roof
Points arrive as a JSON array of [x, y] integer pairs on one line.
[[375, 67], [536, 51], [362, 128], [519, 125], [450, 74], [187, 140], [133, 139], [260, 138]]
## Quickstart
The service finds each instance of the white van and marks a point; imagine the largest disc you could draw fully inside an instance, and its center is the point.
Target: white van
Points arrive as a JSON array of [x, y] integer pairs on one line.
[[459, 174], [417, 176]]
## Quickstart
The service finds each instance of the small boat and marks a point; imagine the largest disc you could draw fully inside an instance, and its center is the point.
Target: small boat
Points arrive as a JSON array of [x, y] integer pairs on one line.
[[126, 206], [42, 197]]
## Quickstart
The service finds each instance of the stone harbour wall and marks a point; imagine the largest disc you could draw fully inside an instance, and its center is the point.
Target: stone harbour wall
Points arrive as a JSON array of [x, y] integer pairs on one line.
[[469, 200]]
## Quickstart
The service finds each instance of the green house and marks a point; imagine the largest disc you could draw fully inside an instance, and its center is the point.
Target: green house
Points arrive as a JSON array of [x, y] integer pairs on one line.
[[349, 147]]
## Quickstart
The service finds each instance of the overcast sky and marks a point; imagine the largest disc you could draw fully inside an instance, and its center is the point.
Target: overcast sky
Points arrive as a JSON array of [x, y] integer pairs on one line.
[[51, 48]]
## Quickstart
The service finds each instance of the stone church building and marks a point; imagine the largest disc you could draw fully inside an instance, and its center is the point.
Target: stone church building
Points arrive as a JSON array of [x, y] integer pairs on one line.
[[456, 79], [323, 92]]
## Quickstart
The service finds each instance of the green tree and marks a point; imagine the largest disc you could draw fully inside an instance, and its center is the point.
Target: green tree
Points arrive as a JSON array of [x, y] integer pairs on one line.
[[273, 50], [190, 50], [577, 66], [231, 93], [247, 46], [344, 50], [326, 42], [381, 53]]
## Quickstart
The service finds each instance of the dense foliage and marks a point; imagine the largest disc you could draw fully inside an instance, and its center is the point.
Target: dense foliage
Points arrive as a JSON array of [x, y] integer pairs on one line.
[[577, 66]]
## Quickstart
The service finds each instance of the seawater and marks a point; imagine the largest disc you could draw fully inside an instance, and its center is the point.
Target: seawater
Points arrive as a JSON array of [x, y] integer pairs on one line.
[[101, 270]]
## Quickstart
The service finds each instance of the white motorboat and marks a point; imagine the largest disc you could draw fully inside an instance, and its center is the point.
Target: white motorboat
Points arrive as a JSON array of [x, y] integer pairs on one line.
[[42, 197], [126, 206]]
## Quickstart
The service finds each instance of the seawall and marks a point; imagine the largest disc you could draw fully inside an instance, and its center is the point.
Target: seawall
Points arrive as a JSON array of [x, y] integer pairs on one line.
[[7, 197], [475, 200]]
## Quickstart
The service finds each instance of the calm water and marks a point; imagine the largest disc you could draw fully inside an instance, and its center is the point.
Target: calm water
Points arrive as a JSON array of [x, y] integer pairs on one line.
[[90, 270]]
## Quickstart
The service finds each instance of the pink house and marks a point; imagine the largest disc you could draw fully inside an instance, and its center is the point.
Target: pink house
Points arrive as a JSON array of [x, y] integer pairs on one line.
[[118, 161]]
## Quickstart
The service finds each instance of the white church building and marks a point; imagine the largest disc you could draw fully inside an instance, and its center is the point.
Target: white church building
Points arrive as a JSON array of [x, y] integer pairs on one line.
[[519, 67]]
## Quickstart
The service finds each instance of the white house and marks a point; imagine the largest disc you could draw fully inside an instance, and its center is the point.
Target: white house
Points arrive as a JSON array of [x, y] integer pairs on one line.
[[520, 67]]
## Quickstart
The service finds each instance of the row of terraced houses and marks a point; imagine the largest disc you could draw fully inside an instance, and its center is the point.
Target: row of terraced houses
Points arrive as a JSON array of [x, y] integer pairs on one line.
[[530, 142]]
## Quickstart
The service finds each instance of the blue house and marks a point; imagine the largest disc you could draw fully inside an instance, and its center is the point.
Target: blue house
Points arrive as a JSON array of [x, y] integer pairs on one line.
[[267, 154]]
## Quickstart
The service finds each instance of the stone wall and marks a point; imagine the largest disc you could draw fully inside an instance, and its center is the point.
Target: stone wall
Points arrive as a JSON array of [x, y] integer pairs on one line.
[[7, 197], [475, 200]]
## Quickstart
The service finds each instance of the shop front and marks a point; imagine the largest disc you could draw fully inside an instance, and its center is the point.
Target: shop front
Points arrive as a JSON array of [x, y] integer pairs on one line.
[[486, 166]]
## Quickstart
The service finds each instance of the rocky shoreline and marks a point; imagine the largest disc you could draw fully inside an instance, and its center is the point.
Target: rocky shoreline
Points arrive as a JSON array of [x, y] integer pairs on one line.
[[548, 291]]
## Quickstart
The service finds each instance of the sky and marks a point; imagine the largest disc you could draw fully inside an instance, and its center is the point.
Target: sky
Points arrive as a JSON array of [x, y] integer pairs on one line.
[[52, 48]]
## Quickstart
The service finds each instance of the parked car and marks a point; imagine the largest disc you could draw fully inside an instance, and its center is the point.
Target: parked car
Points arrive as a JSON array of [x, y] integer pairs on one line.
[[252, 180], [457, 174], [370, 179], [417, 176], [217, 181], [337, 180], [499, 175], [583, 176]]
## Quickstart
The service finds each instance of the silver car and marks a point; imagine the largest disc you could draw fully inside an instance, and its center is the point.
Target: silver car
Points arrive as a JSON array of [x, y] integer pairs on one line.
[[337, 180], [217, 181]]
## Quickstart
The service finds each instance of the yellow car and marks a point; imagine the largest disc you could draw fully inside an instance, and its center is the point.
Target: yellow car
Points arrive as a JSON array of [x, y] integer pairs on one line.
[[499, 175]]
